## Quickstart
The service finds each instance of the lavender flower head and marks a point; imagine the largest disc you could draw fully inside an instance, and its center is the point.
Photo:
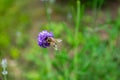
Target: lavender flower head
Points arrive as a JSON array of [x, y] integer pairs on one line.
[[42, 37], [4, 66], [4, 63]]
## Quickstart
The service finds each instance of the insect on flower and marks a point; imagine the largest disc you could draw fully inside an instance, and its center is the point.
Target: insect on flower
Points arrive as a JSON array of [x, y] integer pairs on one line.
[[46, 39], [53, 42]]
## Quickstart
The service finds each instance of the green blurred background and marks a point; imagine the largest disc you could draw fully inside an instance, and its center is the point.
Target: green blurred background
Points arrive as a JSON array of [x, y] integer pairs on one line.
[[90, 30]]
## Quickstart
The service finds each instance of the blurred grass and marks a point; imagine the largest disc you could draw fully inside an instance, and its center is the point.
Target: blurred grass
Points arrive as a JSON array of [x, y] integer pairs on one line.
[[90, 50], [14, 21]]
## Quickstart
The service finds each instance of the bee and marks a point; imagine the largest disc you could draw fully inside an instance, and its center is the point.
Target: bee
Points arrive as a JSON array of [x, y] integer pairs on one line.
[[53, 42]]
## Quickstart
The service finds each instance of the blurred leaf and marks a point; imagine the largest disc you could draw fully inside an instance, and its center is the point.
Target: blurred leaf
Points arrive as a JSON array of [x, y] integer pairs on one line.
[[21, 40], [33, 76], [56, 28], [4, 40], [4, 4], [14, 53]]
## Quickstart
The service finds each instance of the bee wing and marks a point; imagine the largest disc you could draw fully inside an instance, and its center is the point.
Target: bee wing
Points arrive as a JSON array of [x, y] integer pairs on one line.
[[54, 44], [55, 47], [59, 40]]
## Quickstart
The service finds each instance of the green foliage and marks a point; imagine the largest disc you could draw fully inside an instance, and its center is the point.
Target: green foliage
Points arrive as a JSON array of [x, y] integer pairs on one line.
[[11, 21], [88, 52], [21, 40], [14, 52], [56, 28], [32, 75], [4, 4]]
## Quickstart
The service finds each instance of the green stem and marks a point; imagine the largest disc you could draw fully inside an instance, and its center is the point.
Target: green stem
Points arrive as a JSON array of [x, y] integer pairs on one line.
[[77, 22], [5, 77], [76, 37], [95, 13], [48, 66], [48, 14]]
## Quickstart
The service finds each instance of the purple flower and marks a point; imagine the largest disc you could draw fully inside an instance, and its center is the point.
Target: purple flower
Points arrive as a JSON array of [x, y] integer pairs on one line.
[[42, 37]]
